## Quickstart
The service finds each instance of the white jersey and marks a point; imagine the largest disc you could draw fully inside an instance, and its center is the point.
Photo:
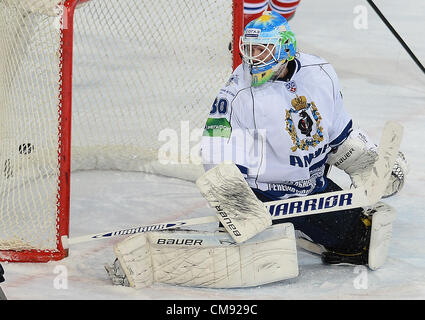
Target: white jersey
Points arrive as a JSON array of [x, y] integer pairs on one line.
[[280, 133]]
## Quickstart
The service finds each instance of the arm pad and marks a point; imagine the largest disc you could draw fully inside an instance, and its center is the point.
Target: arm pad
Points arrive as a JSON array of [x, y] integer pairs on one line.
[[356, 156]]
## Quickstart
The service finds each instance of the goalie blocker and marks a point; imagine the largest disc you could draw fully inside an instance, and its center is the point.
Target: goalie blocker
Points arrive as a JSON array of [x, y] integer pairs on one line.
[[205, 259]]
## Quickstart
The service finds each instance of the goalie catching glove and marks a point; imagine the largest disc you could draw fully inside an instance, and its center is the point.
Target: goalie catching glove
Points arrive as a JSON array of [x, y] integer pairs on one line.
[[205, 259], [356, 156]]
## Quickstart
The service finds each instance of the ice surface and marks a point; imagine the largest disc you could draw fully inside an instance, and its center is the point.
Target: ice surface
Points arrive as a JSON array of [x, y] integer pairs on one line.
[[380, 82]]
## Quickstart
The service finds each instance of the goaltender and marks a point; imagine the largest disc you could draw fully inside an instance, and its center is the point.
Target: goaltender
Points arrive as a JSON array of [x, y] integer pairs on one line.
[[280, 119]]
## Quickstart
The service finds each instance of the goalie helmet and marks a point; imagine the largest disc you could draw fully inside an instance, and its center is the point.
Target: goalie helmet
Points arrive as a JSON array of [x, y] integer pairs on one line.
[[272, 34]]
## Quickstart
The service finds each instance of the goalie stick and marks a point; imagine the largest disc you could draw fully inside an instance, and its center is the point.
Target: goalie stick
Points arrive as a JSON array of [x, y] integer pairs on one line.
[[364, 196]]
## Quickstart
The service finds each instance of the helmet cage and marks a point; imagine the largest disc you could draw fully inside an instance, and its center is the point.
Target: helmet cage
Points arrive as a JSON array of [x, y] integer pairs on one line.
[[269, 54]]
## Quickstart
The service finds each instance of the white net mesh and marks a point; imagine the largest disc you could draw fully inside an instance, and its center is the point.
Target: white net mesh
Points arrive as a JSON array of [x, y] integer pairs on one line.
[[145, 74], [29, 102]]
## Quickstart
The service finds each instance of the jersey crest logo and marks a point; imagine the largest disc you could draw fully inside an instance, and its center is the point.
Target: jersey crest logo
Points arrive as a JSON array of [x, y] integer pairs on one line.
[[303, 124]]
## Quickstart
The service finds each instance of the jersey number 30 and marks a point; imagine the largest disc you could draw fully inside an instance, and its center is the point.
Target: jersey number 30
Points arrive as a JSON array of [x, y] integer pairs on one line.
[[220, 106]]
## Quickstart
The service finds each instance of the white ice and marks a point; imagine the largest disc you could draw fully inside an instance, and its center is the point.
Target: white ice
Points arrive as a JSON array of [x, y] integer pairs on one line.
[[380, 82]]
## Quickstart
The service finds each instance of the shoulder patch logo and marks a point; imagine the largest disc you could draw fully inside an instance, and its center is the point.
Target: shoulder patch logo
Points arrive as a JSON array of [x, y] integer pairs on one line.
[[303, 124], [233, 79], [217, 127]]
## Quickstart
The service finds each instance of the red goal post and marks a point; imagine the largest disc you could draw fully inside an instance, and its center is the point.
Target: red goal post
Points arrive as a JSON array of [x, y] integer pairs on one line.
[[42, 87]]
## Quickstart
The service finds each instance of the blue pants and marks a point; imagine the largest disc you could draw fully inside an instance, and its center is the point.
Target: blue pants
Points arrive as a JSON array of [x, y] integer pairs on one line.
[[339, 231]]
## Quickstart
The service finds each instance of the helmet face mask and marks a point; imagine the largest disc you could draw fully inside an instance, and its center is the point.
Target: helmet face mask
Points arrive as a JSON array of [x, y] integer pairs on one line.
[[266, 45], [258, 54]]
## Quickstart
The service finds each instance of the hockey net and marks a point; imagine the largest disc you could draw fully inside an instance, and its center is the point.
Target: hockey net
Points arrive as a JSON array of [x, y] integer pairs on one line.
[[133, 73]]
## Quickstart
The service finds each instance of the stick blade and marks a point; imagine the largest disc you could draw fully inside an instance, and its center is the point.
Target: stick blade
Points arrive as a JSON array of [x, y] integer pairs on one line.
[[235, 204]]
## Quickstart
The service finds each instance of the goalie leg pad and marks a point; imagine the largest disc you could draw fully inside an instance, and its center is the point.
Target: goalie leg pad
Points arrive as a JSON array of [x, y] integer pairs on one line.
[[381, 234], [206, 259]]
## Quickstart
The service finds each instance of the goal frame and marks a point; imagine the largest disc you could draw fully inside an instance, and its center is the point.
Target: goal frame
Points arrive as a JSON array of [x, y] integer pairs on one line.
[[65, 115]]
